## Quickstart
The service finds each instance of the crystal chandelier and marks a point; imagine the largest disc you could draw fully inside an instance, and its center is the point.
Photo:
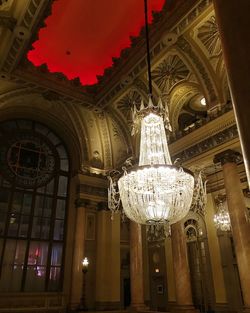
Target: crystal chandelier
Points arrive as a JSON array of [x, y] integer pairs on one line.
[[155, 191], [222, 218]]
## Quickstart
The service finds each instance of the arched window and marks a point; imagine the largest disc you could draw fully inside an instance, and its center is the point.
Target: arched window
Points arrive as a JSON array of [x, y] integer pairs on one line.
[[34, 174]]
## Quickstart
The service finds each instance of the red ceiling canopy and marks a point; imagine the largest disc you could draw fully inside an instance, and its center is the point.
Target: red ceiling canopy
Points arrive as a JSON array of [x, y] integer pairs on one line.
[[82, 36]]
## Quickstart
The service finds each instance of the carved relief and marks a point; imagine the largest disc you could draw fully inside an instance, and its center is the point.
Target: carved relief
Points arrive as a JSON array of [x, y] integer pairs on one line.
[[186, 47], [171, 71], [208, 34], [96, 160], [106, 142], [208, 144], [125, 104]]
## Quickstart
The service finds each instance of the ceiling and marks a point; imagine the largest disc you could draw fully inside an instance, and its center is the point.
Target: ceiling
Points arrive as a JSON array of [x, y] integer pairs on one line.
[[94, 121], [81, 37]]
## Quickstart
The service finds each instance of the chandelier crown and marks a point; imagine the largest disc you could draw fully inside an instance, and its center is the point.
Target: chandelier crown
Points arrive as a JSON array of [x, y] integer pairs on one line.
[[160, 109]]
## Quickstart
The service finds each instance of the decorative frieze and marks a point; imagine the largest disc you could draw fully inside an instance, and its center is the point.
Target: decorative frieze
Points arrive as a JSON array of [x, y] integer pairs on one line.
[[169, 72], [208, 144]]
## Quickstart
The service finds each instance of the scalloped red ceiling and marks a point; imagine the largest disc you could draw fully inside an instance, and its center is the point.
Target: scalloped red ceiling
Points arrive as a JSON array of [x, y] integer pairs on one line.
[[82, 36]]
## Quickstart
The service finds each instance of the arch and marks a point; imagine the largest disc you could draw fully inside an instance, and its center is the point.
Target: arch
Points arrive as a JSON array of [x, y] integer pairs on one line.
[[180, 95], [54, 114]]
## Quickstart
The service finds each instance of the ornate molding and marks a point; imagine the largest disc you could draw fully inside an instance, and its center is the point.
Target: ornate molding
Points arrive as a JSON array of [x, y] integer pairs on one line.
[[169, 72], [207, 144], [208, 34], [163, 21], [100, 95], [125, 104], [69, 90], [105, 140], [22, 32], [186, 47]]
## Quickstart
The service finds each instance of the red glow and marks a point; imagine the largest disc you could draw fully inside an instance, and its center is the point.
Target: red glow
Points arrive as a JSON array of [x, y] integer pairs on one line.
[[82, 36]]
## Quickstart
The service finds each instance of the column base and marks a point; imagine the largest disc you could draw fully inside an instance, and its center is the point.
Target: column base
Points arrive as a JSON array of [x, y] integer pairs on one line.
[[107, 305], [140, 307], [246, 309], [184, 309]]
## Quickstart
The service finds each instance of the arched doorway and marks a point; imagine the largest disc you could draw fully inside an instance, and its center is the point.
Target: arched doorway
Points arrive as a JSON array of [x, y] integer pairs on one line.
[[199, 263]]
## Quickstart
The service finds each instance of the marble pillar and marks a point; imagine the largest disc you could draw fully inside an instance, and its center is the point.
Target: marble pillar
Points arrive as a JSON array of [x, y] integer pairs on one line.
[[233, 22], [239, 224], [215, 255], [78, 255], [183, 291], [136, 268], [170, 271], [108, 265]]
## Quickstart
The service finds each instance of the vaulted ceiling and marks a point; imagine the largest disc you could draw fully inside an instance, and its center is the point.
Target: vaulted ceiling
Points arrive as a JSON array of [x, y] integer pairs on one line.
[[85, 38]]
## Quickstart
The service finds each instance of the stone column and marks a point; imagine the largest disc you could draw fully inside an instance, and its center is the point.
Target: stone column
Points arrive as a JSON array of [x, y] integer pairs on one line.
[[136, 268], [183, 291], [239, 224], [215, 255], [108, 261], [78, 255], [170, 272], [234, 24]]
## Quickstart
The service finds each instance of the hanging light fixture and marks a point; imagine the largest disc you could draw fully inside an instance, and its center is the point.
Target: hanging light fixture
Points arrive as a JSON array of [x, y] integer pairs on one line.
[[222, 218], [155, 191]]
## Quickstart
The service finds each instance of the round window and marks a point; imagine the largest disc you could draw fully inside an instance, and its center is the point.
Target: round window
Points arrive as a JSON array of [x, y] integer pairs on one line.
[[28, 160]]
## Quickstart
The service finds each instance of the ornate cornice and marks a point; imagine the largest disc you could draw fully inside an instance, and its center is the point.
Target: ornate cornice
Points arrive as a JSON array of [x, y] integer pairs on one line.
[[69, 90], [20, 37], [169, 72], [130, 64], [175, 21], [210, 143]]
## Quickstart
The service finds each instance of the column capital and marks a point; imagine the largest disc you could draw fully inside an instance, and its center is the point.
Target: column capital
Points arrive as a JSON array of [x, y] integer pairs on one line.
[[79, 202], [227, 156]]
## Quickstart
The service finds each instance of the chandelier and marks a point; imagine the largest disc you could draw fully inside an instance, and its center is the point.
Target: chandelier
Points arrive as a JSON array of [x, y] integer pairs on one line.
[[222, 218], [155, 191]]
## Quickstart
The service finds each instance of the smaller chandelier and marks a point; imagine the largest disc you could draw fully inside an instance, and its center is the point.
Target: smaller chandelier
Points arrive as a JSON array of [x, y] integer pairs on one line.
[[222, 218]]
